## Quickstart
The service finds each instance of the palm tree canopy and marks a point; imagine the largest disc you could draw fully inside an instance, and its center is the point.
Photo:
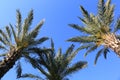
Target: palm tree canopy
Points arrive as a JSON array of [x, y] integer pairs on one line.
[[96, 28], [56, 66], [20, 37]]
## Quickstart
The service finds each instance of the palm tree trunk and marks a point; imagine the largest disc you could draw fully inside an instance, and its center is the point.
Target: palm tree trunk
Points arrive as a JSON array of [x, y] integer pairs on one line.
[[112, 42], [8, 62]]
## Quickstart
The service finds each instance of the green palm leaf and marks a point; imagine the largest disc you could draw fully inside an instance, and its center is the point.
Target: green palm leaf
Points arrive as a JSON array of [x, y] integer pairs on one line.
[[92, 48], [31, 76], [19, 23], [34, 32], [83, 39], [98, 55], [79, 28], [14, 34], [75, 67], [27, 23], [18, 69]]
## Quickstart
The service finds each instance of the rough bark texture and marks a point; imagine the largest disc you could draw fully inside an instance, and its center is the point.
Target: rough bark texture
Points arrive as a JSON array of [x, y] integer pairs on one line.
[[112, 42], [8, 62]]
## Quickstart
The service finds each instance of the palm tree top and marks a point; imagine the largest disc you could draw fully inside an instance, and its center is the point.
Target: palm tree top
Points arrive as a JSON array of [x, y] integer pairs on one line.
[[17, 40], [97, 28], [56, 65], [21, 36]]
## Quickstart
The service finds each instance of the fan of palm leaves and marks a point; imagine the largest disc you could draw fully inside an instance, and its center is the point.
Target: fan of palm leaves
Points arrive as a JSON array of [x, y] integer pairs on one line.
[[97, 28], [18, 39], [56, 66]]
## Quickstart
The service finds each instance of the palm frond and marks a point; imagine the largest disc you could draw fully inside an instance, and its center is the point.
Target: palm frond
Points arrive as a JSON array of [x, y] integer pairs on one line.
[[59, 53], [108, 4], [69, 51], [31, 76], [109, 15], [79, 28], [35, 64], [18, 22], [92, 48], [67, 57], [8, 31], [27, 23], [14, 33], [52, 44], [35, 31], [105, 52], [32, 61], [83, 39], [101, 10], [85, 14], [38, 41], [3, 47], [4, 36], [98, 55], [72, 55], [39, 50], [85, 46], [2, 55], [18, 69], [3, 41], [75, 67], [105, 12]]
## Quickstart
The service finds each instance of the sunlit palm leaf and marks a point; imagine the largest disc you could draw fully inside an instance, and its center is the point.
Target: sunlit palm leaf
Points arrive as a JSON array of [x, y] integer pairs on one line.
[[8, 31], [14, 34], [27, 23], [5, 38], [35, 31], [101, 9], [18, 23]]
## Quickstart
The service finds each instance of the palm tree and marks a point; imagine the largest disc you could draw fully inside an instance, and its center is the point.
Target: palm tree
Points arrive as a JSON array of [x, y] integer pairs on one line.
[[98, 30], [55, 66], [16, 41]]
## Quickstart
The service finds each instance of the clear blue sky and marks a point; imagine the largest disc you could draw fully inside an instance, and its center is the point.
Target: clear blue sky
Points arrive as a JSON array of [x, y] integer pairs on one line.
[[58, 14]]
